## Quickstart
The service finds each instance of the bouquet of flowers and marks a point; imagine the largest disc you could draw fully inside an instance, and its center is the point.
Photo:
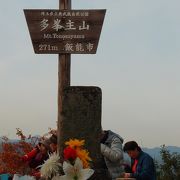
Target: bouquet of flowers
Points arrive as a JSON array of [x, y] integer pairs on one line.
[[75, 165]]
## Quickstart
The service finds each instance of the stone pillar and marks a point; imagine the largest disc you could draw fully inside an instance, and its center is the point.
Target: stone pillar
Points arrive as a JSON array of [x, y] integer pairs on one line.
[[81, 119]]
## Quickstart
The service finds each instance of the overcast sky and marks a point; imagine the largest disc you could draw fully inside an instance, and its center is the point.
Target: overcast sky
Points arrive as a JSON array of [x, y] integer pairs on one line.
[[136, 66]]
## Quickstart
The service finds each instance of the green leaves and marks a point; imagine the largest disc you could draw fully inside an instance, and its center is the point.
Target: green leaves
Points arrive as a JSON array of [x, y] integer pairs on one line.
[[169, 168]]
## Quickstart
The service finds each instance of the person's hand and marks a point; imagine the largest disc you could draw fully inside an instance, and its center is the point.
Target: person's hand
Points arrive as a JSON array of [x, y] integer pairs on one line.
[[38, 147], [127, 175], [103, 147]]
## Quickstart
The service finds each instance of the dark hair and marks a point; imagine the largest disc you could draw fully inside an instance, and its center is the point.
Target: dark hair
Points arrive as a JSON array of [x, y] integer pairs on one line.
[[45, 143], [53, 139], [131, 146]]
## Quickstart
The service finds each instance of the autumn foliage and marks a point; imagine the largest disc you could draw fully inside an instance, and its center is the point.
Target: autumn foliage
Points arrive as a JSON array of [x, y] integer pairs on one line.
[[11, 154]]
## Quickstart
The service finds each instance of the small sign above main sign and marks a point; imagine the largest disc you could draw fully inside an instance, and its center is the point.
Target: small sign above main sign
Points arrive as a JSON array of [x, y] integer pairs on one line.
[[65, 31]]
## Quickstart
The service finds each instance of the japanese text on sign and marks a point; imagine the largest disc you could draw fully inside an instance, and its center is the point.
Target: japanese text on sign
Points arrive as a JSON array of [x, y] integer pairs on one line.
[[65, 31], [69, 25]]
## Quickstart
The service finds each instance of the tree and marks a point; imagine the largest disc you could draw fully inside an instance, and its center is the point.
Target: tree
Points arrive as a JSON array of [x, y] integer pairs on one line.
[[11, 153], [169, 169]]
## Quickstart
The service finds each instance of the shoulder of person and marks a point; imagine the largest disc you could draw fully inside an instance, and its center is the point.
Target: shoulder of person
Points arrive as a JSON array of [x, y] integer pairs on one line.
[[112, 136], [145, 155]]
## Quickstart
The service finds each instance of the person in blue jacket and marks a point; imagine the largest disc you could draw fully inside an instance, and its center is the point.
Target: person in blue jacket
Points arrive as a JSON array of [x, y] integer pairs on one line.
[[143, 167]]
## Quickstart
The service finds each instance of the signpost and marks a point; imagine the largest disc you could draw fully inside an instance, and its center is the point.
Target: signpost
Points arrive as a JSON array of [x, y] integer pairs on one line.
[[64, 72], [64, 32]]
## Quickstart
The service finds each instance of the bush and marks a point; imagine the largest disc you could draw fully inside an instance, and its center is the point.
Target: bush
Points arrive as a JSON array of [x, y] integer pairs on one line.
[[11, 153], [169, 169]]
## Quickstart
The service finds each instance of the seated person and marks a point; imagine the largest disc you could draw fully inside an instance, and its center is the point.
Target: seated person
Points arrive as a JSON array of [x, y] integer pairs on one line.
[[143, 167]]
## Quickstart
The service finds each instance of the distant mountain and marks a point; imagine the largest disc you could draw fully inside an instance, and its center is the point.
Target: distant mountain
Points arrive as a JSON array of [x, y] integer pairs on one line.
[[155, 152], [10, 140], [17, 140]]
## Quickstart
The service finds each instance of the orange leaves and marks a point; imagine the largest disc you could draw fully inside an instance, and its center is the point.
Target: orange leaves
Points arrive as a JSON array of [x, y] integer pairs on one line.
[[10, 157], [12, 152]]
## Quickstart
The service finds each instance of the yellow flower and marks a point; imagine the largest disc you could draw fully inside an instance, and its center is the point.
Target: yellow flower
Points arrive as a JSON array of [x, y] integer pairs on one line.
[[81, 153], [74, 143], [83, 156]]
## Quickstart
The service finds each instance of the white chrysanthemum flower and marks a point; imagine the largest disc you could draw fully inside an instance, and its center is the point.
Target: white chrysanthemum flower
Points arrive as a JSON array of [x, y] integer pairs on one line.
[[76, 171], [51, 166]]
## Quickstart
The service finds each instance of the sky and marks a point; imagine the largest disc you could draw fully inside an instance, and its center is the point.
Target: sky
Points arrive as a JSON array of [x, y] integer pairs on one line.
[[136, 66]]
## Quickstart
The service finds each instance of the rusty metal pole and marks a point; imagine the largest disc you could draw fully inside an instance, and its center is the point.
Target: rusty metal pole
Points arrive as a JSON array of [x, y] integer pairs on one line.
[[64, 67]]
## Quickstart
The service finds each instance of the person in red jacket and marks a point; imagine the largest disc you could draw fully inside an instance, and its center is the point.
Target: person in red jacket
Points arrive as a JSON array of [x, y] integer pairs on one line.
[[31, 154], [37, 156]]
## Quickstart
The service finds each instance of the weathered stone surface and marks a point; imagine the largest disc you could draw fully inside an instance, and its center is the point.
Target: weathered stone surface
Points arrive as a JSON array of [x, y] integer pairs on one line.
[[81, 118]]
